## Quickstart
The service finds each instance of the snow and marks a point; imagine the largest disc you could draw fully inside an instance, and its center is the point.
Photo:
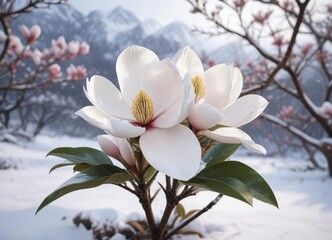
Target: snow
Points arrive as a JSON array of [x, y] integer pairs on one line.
[[305, 200]]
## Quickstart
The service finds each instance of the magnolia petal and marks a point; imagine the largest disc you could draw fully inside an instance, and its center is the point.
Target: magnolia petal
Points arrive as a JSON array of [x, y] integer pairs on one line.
[[204, 116], [187, 61], [94, 116], [243, 110], [218, 80], [237, 84], [163, 84], [118, 148], [132, 66], [234, 136], [126, 152], [174, 151], [108, 145], [123, 129], [105, 96]]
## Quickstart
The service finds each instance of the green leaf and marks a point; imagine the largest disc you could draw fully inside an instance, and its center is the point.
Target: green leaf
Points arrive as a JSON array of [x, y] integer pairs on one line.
[[120, 178], [180, 210], [90, 178], [219, 153], [60, 165], [81, 167], [237, 170], [225, 185], [79, 155], [149, 173]]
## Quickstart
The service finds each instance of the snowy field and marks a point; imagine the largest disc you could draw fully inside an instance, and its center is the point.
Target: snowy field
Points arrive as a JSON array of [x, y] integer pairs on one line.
[[305, 200]]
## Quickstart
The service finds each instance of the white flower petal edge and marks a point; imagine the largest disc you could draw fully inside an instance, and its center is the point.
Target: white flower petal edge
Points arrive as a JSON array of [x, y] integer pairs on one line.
[[123, 129], [188, 61], [244, 110], [234, 136], [118, 148], [174, 151], [204, 116], [94, 116], [104, 95], [132, 67]]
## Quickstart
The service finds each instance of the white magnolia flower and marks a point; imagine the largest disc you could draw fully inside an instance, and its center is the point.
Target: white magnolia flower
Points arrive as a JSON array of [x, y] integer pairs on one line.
[[118, 148], [217, 91], [151, 100]]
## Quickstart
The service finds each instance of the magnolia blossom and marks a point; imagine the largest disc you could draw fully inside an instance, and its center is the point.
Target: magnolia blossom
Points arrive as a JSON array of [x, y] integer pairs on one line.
[[73, 47], [76, 73], [84, 48], [15, 45], [36, 56], [151, 104], [54, 71], [31, 35], [59, 47], [117, 148], [216, 102]]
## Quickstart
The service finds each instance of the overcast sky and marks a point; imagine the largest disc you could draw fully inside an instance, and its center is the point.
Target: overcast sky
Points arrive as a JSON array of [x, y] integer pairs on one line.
[[164, 11]]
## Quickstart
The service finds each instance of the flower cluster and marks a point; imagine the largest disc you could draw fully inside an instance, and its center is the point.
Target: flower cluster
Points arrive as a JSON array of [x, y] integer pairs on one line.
[[47, 58], [168, 109]]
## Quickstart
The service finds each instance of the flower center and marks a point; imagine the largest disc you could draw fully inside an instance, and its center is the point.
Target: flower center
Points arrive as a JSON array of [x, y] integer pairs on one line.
[[199, 87], [142, 108]]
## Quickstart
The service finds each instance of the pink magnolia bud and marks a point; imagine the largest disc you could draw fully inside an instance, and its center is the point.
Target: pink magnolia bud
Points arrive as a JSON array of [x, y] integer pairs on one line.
[[76, 73], [59, 47], [36, 56], [31, 35], [15, 46], [84, 48], [261, 17], [279, 40], [239, 3], [54, 71], [326, 110], [117, 148], [73, 48]]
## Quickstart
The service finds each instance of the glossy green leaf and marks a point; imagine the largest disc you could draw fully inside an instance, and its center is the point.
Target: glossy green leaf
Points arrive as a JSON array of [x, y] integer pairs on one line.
[[120, 178], [90, 178], [259, 188], [219, 153], [224, 185], [60, 165], [79, 155], [81, 167]]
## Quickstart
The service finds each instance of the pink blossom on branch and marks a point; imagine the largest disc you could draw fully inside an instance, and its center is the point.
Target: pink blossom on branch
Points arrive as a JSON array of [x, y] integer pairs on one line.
[[286, 113], [84, 48], [326, 110], [59, 47], [261, 17], [15, 45], [76, 73], [36, 56], [30, 35], [54, 71], [279, 41], [73, 48]]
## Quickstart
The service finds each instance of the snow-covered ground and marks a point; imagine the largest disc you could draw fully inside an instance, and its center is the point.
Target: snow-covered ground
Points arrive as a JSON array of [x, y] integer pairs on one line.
[[305, 200]]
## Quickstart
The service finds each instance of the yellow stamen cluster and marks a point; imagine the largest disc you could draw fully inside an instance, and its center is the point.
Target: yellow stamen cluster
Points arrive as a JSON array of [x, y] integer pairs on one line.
[[142, 108], [199, 87]]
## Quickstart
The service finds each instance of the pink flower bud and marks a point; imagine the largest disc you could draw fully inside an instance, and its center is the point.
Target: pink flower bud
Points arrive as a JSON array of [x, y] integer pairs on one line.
[[36, 57], [279, 41], [261, 17], [31, 35], [59, 47], [73, 48], [76, 73], [326, 110], [15, 45], [84, 48], [54, 71]]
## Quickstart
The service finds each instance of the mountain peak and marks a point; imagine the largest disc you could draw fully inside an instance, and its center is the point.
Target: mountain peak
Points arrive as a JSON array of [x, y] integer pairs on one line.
[[121, 16]]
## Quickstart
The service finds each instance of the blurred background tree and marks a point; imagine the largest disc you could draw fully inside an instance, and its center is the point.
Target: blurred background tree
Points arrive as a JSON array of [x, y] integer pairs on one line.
[[292, 42]]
